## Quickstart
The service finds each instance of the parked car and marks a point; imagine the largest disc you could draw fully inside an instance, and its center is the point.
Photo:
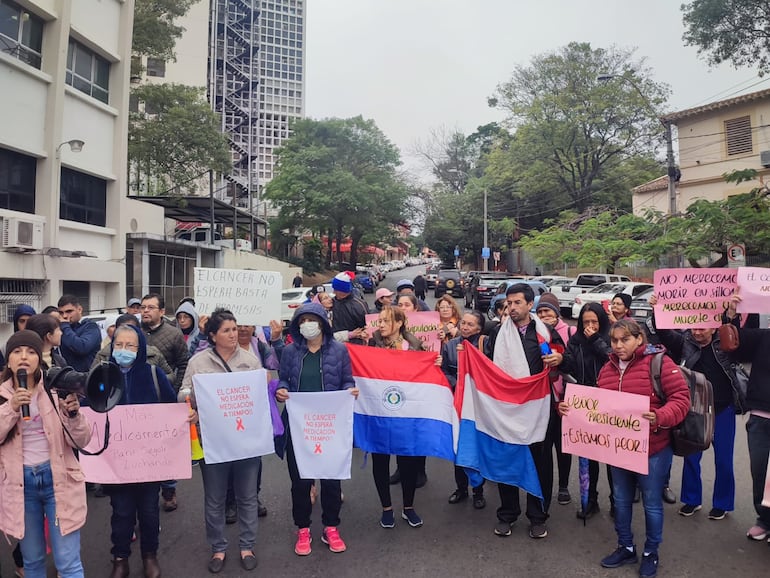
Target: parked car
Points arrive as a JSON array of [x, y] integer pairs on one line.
[[640, 306], [366, 282], [431, 275], [583, 283], [606, 292], [448, 281], [481, 289], [537, 286], [291, 299]]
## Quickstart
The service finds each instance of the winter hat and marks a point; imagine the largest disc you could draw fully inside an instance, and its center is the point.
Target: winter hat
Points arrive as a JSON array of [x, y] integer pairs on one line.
[[625, 298], [549, 301], [403, 284], [383, 292], [342, 284], [22, 338], [133, 301]]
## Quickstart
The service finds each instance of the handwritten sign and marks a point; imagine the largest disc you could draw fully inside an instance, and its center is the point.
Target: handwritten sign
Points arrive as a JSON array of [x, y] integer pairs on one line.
[[234, 415], [321, 425], [254, 297], [607, 426], [424, 325], [148, 443], [755, 290], [692, 298]]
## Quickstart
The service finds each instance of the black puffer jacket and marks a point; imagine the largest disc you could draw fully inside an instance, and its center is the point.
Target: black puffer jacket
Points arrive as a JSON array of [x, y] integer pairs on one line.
[[349, 314], [585, 356]]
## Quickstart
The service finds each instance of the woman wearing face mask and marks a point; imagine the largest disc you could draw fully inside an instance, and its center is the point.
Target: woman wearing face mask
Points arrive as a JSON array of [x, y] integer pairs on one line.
[[471, 325], [43, 478], [225, 355], [314, 361], [144, 384]]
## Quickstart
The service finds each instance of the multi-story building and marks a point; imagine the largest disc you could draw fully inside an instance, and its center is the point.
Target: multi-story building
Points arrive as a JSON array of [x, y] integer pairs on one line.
[[64, 72], [713, 139]]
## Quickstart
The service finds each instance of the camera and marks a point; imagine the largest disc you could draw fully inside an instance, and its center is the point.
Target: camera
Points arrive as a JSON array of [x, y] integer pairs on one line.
[[102, 387]]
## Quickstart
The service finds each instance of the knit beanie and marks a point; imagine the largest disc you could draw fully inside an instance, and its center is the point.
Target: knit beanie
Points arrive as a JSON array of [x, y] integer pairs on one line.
[[342, 283], [550, 301], [22, 338], [625, 298]]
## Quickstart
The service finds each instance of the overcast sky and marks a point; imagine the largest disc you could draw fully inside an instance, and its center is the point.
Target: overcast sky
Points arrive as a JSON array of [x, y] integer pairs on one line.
[[418, 65]]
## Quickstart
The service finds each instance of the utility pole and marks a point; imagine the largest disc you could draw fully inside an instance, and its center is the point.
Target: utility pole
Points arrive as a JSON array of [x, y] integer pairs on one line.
[[486, 240], [671, 168]]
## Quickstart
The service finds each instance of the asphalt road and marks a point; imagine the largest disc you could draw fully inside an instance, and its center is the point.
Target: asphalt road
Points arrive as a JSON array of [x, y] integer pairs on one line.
[[456, 540]]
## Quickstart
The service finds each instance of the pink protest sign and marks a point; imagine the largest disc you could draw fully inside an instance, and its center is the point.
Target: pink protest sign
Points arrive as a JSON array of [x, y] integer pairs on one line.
[[607, 426], [755, 290], [423, 324], [689, 298], [148, 443]]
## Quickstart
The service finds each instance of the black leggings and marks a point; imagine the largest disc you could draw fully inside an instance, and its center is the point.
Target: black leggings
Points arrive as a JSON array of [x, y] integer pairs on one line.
[[408, 467]]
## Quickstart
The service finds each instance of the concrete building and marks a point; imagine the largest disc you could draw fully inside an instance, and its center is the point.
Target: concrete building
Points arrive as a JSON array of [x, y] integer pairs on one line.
[[714, 139], [64, 72]]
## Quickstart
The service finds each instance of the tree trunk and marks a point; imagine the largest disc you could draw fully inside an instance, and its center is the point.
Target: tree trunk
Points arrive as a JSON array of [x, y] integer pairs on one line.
[[328, 249], [355, 240], [339, 246]]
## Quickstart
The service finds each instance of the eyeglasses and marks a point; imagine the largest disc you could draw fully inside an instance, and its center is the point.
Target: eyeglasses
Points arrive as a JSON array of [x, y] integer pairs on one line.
[[129, 346], [149, 307]]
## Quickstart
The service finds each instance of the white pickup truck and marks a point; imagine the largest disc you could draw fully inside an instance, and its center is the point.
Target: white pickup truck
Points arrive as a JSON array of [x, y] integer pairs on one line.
[[584, 282]]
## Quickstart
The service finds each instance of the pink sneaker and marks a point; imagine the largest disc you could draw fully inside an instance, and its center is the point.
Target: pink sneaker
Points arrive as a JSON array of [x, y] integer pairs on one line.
[[302, 547], [331, 537], [757, 533]]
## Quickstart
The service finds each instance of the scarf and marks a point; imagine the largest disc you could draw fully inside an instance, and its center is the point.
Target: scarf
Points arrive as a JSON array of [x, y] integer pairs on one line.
[[509, 350]]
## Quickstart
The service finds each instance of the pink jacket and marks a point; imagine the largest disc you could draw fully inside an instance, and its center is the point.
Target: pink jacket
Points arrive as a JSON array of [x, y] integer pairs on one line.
[[68, 479]]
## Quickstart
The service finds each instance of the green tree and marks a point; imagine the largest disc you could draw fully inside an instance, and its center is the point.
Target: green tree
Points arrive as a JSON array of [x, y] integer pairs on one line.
[[737, 31], [155, 28], [338, 176], [571, 126], [176, 140]]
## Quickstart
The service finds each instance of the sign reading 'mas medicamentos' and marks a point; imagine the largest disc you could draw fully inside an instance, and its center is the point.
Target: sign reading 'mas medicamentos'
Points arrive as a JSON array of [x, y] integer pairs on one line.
[[254, 297]]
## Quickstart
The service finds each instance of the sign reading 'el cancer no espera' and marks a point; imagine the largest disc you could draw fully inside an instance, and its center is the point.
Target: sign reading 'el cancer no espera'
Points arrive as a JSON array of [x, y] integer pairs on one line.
[[689, 298], [254, 297]]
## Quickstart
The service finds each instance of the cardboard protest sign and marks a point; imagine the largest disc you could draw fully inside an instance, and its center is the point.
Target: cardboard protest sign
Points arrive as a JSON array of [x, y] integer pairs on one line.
[[755, 290], [254, 297], [424, 325], [321, 425], [234, 415], [692, 298], [607, 426], [148, 443]]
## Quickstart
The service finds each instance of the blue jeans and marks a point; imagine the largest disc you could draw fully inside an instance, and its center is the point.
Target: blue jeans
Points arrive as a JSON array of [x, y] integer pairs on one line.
[[624, 484], [39, 503], [215, 476], [758, 435], [129, 503], [723, 497]]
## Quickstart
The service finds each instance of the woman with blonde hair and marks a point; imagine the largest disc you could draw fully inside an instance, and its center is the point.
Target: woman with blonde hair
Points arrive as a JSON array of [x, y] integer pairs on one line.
[[449, 317]]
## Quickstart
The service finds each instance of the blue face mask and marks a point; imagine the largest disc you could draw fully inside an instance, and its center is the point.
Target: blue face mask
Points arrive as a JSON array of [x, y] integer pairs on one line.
[[124, 357]]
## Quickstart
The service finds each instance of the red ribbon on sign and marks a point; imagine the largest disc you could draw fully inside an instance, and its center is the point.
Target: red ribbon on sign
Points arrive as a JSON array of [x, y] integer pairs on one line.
[[239, 424], [317, 449]]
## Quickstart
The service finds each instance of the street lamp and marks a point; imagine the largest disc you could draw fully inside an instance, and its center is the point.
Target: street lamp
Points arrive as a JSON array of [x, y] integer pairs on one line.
[[672, 173], [485, 248], [76, 145]]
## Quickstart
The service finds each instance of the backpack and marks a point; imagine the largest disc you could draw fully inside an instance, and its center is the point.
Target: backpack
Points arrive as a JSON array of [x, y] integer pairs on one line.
[[696, 432]]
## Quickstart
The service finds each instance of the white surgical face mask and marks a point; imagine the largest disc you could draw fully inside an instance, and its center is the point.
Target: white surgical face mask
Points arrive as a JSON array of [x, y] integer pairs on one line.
[[310, 329]]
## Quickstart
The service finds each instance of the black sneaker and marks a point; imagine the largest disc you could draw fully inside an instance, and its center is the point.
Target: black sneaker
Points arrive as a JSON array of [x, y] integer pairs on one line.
[[688, 510], [504, 528], [458, 496], [649, 566], [538, 531], [717, 514], [620, 557], [479, 501], [563, 497]]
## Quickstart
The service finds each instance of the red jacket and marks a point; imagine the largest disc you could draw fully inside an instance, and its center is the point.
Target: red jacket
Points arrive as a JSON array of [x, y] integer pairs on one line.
[[636, 379]]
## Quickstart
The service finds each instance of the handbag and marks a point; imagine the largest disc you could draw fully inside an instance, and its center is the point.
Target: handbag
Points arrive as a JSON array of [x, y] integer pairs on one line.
[[740, 383], [728, 337]]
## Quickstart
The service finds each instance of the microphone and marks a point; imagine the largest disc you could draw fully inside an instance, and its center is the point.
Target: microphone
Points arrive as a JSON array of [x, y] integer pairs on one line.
[[21, 375]]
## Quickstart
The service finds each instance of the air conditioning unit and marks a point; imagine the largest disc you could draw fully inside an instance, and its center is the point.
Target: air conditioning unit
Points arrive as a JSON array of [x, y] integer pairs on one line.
[[764, 159], [22, 234]]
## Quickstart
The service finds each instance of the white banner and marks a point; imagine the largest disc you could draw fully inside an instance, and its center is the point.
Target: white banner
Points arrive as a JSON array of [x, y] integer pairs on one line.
[[321, 425], [254, 297], [234, 414]]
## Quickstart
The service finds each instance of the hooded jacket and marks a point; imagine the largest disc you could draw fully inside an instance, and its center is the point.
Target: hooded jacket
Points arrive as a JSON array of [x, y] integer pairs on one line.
[[154, 357], [336, 371], [140, 386], [636, 378], [68, 479], [584, 356], [20, 311], [191, 338]]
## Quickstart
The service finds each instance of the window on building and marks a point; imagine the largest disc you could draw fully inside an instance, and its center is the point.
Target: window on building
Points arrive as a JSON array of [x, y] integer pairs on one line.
[[88, 72], [83, 198], [21, 33], [156, 67], [17, 181], [738, 135]]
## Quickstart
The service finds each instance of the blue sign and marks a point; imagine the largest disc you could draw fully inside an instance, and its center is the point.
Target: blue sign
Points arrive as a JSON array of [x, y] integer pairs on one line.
[[457, 252], [485, 253]]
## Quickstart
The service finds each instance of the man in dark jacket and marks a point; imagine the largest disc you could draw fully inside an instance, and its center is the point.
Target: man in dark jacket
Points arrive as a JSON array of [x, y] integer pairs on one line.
[[80, 339], [420, 287], [170, 341], [348, 312]]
